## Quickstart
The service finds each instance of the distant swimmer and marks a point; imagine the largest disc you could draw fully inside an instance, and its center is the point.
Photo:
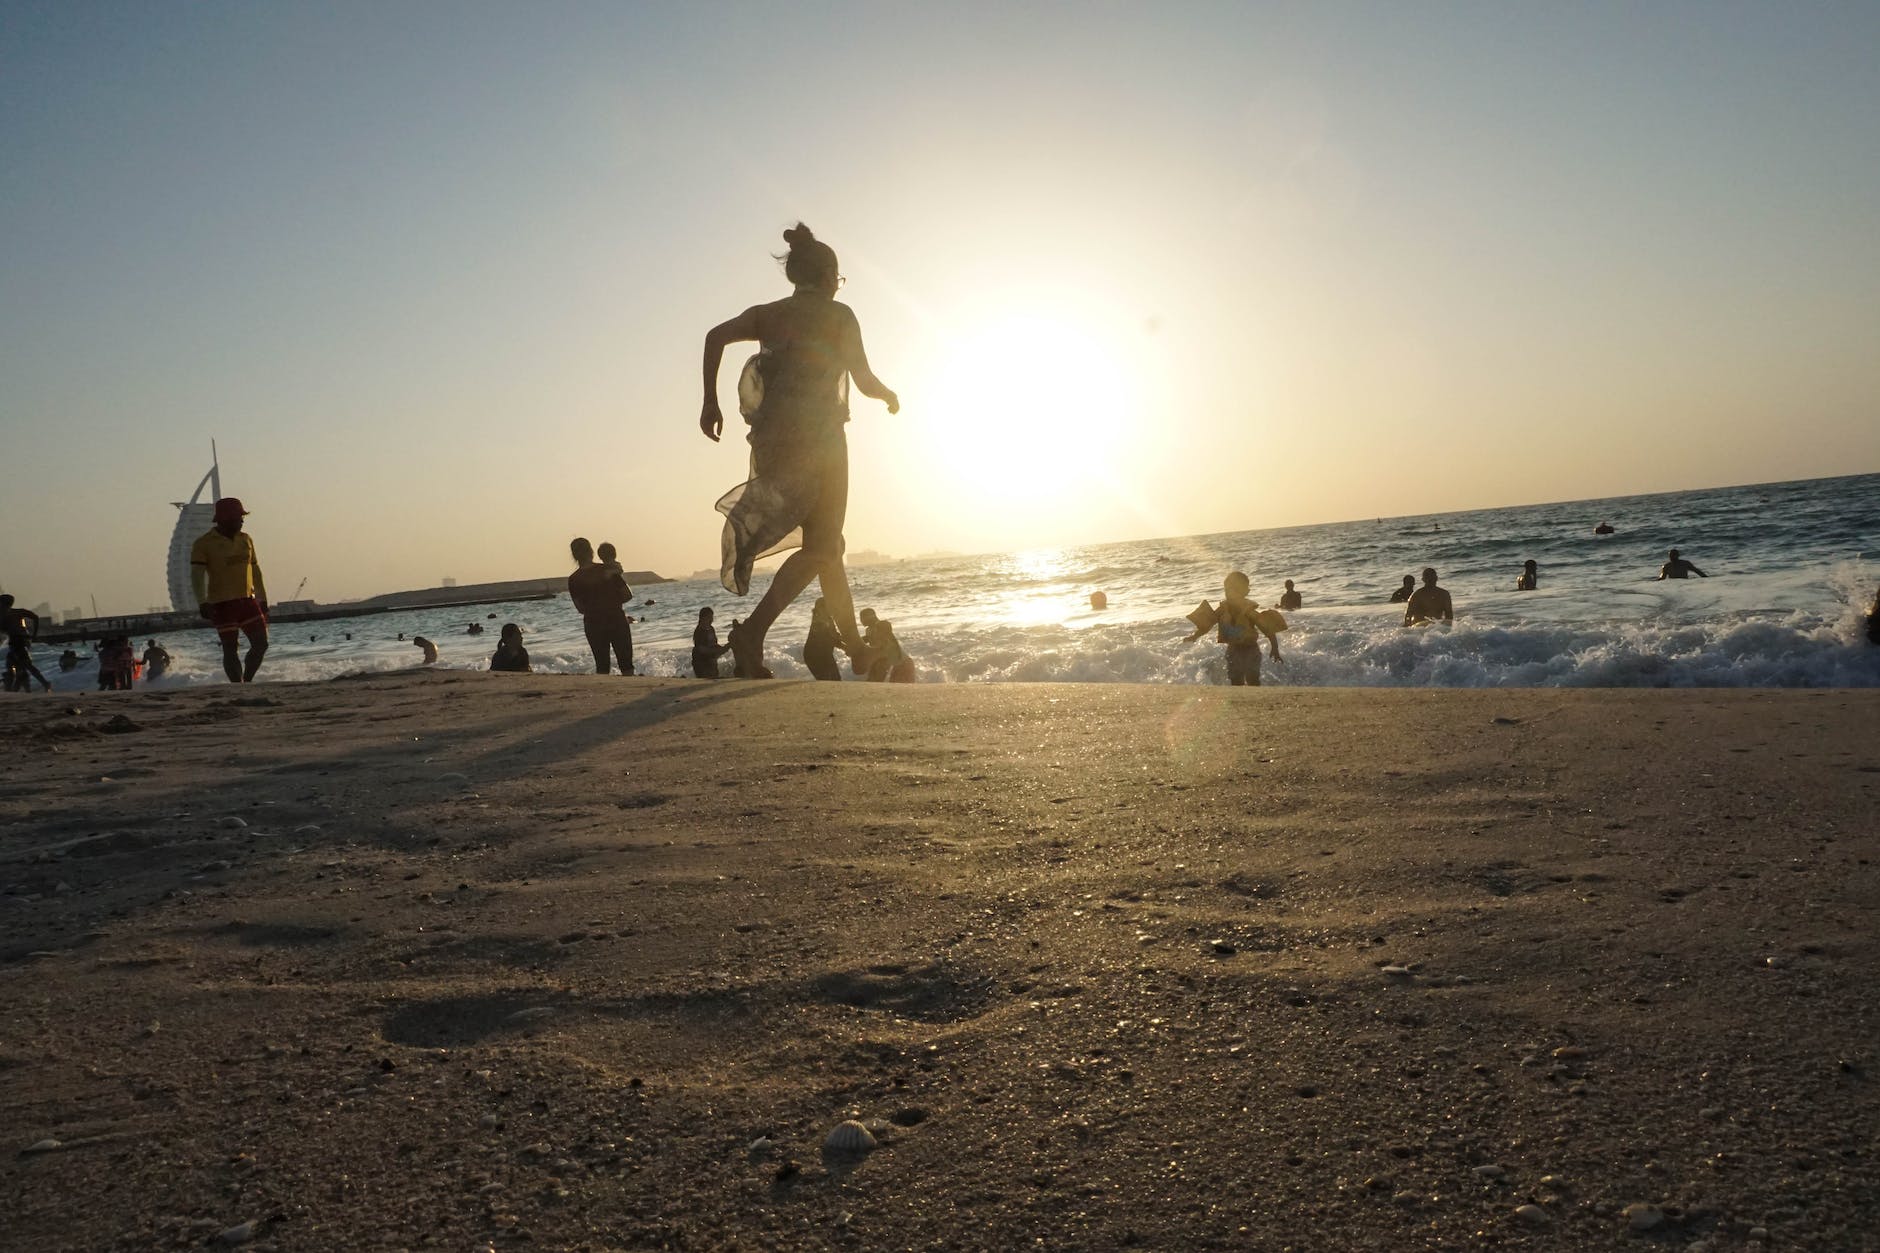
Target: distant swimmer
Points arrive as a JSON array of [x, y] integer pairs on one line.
[[1099, 600], [510, 656], [1677, 567], [475, 628], [68, 660], [156, 661], [1529, 578], [1239, 623], [427, 648], [1290, 599], [1604, 528], [1404, 593], [1428, 603], [225, 574], [887, 661], [706, 650], [819, 650]]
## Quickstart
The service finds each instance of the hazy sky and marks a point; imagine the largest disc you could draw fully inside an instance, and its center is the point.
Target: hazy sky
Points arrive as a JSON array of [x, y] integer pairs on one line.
[[436, 276]]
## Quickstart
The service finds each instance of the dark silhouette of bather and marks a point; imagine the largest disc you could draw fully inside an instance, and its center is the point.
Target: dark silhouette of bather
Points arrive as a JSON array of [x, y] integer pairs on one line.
[[795, 395], [706, 650], [1428, 603], [510, 656], [1677, 567], [1529, 578], [1290, 599], [819, 650], [1404, 593]]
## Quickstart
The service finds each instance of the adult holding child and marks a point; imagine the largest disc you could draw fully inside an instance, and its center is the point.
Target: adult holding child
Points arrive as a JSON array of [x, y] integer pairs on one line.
[[795, 395]]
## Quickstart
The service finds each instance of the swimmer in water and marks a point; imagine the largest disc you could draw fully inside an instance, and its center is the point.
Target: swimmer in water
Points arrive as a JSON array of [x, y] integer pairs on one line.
[[819, 650], [1238, 625], [428, 648], [1404, 593], [706, 650], [1428, 603], [1604, 528], [1290, 599], [1529, 578], [510, 656], [1677, 567]]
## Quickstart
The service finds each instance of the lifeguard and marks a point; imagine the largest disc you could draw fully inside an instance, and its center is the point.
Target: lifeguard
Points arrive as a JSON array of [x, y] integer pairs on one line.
[[226, 578]]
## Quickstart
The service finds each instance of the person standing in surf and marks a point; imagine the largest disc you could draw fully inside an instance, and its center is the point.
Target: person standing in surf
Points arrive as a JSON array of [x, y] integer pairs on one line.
[[795, 395]]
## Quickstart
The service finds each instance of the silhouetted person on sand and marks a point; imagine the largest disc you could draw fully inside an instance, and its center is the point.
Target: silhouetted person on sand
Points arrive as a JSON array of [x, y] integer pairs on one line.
[[795, 395], [427, 648], [1677, 567], [1428, 603], [1404, 593], [1604, 528], [22, 628], [819, 650], [1529, 578], [887, 661], [156, 661], [510, 656], [706, 650], [598, 598], [1238, 624], [226, 577], [1290, 599]]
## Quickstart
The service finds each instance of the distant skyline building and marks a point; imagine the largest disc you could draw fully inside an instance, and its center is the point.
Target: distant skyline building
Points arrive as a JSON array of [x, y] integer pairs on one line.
[[192, 520]]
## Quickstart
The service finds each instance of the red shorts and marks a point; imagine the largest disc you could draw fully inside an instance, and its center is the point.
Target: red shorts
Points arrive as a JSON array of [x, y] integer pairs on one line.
[[243, 615]]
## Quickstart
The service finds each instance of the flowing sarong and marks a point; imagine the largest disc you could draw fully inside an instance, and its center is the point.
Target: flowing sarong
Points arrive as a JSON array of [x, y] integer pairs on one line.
[[797, 449]]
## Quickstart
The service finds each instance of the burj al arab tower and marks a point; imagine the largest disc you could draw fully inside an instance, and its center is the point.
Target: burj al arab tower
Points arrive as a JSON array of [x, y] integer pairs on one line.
[[192, 519]]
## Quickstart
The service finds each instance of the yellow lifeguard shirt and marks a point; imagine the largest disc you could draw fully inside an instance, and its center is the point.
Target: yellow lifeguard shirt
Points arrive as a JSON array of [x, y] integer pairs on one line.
[[224, 568]]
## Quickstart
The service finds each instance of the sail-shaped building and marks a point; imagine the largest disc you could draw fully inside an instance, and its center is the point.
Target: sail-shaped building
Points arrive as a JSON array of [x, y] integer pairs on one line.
[[192, 519]]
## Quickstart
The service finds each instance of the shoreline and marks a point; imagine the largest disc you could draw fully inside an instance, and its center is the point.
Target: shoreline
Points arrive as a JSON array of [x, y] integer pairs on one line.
[[446, 959]]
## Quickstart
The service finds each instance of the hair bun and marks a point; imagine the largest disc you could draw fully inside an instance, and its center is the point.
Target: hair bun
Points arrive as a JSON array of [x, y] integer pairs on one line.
[[798, 234]]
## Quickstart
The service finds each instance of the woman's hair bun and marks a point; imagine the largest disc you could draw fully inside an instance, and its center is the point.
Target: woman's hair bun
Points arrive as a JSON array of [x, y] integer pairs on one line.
[[797, 235]]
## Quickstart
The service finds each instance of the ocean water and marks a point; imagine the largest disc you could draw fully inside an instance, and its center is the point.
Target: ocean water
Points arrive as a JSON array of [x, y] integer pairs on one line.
[[1791, 565]]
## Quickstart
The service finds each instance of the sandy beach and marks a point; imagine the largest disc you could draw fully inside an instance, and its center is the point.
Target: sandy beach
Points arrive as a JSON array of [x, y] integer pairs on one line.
[[462, 961]]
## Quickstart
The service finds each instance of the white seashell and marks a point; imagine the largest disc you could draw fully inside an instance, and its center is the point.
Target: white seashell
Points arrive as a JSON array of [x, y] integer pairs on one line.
[[849, 1137], [44, 1146]]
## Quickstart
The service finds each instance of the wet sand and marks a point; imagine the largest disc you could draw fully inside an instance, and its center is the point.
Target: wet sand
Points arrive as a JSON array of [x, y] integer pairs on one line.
[[462, 961]]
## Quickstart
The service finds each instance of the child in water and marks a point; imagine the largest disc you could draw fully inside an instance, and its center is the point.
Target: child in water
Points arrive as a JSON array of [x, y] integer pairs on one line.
[[887, 661], [510, 656], [1238, 624], [706, 650]]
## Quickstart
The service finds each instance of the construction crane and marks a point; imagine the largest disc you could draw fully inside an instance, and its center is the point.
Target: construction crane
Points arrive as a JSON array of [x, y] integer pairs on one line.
[[297, 591]]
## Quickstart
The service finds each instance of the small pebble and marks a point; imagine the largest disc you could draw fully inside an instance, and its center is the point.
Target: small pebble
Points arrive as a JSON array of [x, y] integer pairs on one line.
[[1642, 1217], [241, 1233], [232, 823], [43, 1146], [489, 1122], [1395, 972], [1488, 1172], [1533, 1215], [1568, 1052]]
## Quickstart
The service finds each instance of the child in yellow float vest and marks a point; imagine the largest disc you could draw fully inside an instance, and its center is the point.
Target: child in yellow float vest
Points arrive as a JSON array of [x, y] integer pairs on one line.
[[1239, 623]]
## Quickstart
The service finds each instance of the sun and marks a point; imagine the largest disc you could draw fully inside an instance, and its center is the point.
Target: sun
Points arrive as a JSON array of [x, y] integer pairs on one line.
[[1026, 412]]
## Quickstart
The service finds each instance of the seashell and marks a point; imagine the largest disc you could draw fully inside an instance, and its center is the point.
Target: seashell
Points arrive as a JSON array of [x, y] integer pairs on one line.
[[1396, 972], [43, 1146], [849, 1137], [233, 823]]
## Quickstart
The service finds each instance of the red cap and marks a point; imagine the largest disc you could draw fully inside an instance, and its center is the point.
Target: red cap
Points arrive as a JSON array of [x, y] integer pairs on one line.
[[229, 508]]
